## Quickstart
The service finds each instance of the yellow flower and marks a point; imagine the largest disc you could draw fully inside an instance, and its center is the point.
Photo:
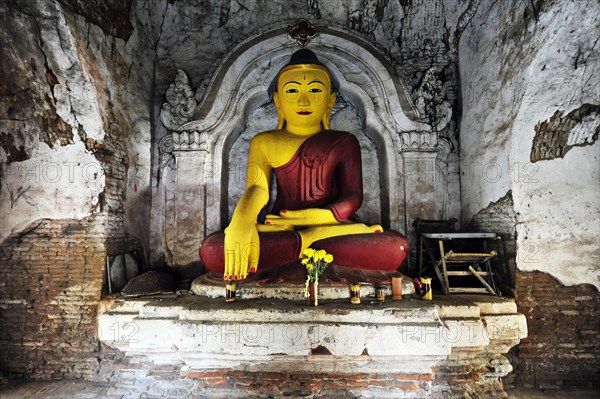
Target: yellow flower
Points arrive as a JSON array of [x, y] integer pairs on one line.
[[309, 252], [328, 258], [305, 261], [309, 266], [320, 254]]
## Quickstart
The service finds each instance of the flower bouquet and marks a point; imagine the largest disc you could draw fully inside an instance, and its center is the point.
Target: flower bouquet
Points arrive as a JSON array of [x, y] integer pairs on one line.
[[316, 262]]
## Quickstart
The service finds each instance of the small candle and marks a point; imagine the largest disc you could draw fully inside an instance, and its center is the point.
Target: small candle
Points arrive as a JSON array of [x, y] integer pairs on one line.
[[230, 292], [355, 293], [380, 293], [426, 293]]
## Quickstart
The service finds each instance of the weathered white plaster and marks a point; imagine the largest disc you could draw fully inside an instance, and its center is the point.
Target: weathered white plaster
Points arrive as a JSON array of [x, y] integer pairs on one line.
[[403, 337], [82, 84], [59, 183], [121, 75], [507, 90], [76, 96]]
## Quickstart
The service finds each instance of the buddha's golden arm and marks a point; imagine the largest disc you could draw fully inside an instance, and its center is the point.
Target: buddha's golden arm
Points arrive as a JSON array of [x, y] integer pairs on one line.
[[242, 245]]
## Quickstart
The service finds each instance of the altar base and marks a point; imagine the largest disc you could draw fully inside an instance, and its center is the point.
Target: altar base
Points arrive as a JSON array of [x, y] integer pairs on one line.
[[276, 347]]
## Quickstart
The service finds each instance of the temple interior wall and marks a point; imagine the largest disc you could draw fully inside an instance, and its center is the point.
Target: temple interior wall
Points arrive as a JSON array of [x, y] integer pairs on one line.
[[513, 114], [530, 169], [82, 175], [73, 115]]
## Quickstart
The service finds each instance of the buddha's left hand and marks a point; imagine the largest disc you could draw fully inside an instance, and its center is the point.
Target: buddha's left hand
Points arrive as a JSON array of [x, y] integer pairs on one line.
[[303, 217]]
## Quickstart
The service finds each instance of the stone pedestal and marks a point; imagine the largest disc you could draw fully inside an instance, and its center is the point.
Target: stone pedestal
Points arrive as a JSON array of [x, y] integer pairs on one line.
[[407, 348]]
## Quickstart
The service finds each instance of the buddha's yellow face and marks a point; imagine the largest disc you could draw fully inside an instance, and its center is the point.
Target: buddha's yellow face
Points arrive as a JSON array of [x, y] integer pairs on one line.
[[304, 98]]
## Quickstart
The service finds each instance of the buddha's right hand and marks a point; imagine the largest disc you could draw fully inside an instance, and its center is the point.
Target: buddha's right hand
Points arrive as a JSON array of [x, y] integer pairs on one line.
[[242, 249]]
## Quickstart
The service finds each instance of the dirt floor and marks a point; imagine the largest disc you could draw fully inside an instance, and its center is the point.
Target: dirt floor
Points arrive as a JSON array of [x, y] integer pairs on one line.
[[94, 390]]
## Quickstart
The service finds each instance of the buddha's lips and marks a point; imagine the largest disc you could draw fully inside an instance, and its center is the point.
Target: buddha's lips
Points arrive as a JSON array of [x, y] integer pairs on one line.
[[304, 112]]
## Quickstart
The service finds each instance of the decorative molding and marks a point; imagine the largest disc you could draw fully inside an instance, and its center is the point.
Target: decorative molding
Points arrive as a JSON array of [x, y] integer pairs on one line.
[[303, 32], [430, 100], [180, 105], [345, 53], [189, 141], [420, 141], [165, 151]]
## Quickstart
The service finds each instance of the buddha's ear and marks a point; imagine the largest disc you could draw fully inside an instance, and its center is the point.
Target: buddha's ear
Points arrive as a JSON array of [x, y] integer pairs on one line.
[[332, 98], [327, 115], [280, 118]]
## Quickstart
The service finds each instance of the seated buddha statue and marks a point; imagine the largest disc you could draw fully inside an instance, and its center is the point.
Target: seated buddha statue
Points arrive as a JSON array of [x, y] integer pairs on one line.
[[319, 187]]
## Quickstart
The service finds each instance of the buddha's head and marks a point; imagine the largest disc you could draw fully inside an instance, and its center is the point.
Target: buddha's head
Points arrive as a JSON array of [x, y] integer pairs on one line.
[[304, 93]]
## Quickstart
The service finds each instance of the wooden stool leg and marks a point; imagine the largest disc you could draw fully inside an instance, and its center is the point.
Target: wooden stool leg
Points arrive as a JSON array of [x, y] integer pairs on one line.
[[488, 268], [420, 256], [445, 282], [482, 281]]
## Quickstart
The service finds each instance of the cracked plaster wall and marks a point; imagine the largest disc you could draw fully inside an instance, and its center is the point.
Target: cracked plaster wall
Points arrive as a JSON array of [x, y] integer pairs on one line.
[[85, 87], [75, 158], [530, 92], [523, 65], [75, 132]]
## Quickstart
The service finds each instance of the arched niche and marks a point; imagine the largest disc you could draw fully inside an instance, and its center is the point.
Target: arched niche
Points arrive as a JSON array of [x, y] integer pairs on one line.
[[204, 134]]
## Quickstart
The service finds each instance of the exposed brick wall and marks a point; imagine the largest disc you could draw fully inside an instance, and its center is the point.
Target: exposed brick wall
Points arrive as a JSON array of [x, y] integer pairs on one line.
[[51, 279], [556, 136], [52, 273], [448, 382], [52, 276], [500, 218], [563, 346], [305, 384], [114, 159]]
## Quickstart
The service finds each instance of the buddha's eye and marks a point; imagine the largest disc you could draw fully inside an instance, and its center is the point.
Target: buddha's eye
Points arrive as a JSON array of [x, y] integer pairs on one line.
[[315, 90], [291, 90]]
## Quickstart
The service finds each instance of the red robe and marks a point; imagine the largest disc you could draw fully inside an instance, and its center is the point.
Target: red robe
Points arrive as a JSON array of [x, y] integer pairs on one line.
[[325, 173]]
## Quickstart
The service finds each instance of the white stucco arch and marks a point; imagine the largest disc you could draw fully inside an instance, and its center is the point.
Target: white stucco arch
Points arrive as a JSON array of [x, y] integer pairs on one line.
[[202, 133]]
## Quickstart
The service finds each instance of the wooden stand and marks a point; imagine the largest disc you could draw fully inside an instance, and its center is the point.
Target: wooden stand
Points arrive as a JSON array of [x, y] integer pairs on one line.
[[450, 263]]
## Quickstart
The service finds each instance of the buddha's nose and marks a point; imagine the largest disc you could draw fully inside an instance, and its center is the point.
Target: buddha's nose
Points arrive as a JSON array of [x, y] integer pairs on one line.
[[303, 100]]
